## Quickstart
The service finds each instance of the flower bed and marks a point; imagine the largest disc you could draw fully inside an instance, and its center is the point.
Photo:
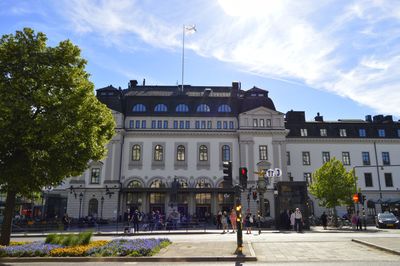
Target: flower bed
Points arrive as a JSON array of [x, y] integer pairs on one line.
[[118, 247]]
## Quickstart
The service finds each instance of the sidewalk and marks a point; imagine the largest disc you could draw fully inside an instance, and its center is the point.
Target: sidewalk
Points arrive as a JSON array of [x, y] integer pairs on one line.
[[389, 244]]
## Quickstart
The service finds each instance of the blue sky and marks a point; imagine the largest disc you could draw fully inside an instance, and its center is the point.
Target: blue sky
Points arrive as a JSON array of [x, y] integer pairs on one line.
[[339, 58]]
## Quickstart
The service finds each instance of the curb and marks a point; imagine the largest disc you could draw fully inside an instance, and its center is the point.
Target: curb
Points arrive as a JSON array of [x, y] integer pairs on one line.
[[376, 246], [127, 259]]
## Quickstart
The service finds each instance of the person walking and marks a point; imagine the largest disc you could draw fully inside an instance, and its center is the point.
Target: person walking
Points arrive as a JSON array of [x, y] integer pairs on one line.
[[324, 220], [66, 221], [136, 218], [359, 225], [298, 220], [232, 218], [224, 222], [219, 220], [248, 222], [292, 221]]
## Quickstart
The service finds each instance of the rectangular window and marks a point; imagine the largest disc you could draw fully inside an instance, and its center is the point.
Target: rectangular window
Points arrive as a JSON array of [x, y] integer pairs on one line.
[[95, 176], [175, 124], [262, 123], [219, 124], [209, 124], [288, 157], [346, 158], [365, 158], [165, 123], [268, 122], [308, 178], [362, 132], [187, 124], [368, 179], [388, 179], [381, 133], [225, 124], [306, 158], [203, 124], [231, 125], [159, 124], [263, 152], [385, 158], [137, 124], [181, 124], [325, 156], [255, 122], [303, 132], [153, 123], [342, 132], [143, 123], [197, 124], [131, 123], [323, 132]]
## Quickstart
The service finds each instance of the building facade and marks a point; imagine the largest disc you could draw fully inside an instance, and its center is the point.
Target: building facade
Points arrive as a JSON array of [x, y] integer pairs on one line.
[[167, 133]]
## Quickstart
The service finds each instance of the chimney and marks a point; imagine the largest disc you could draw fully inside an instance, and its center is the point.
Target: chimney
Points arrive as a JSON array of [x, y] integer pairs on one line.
[[144, 82], [368, 118], [235, 88], [132, 84]]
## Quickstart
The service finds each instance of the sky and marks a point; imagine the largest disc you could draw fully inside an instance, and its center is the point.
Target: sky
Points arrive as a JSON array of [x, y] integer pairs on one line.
[[338, 58]]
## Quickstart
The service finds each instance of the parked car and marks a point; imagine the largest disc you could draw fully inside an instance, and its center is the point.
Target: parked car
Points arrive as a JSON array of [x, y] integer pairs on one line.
[[386, 220]]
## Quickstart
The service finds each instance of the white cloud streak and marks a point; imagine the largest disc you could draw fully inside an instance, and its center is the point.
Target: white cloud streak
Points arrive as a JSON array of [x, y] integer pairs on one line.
[[350, 48]]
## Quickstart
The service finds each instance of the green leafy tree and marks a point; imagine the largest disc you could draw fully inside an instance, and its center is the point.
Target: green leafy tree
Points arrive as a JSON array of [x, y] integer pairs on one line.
[[333, 185], [51, 123]]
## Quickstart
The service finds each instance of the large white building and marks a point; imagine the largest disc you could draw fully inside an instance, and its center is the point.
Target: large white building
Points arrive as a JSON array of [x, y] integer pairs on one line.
[[165, 133]]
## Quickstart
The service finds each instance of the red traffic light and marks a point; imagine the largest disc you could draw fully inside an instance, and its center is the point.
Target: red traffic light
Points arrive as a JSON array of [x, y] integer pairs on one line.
[[355, 198], [243, 171]]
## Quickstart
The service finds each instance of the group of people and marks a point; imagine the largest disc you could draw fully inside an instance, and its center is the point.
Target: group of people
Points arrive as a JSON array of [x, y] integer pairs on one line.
[[292, 220], [355, 219], [224, 220]]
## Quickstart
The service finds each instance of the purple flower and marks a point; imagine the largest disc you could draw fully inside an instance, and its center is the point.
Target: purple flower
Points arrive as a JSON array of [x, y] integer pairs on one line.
[[34, 249]]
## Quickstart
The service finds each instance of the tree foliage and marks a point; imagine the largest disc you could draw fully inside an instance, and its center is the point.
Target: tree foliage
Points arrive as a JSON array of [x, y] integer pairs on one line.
[[51, 123], [333, 185]]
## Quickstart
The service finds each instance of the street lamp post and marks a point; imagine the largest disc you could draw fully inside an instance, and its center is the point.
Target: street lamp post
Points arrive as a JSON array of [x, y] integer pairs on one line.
[[80, 204]]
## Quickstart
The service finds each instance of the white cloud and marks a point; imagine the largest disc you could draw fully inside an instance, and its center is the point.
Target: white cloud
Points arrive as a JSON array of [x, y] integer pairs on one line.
[[348, 48]]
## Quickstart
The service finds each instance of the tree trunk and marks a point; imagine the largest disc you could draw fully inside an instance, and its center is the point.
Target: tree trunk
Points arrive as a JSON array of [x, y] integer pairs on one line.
[[335, 218], [8, 216]]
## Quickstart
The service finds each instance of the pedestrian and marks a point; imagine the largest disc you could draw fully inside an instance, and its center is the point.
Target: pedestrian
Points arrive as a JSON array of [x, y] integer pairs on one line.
[[66, 221], [359, 226], [224, 222], [324, 220], [292, 221], [354, 220], [232, 218], [136, 218], [248, 222], [219, 220], [298, 220]]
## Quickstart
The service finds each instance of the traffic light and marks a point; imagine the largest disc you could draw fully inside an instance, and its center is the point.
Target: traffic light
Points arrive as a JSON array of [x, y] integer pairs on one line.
[[355, 198], [227, 170], [254, 195], [243, 177], [361, 198]]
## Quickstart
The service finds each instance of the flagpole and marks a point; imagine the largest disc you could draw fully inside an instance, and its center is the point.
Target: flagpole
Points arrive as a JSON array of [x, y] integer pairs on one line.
[[183, 54]]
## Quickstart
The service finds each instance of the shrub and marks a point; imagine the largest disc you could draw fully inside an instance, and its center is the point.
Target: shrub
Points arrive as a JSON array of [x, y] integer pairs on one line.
[[70, 239]]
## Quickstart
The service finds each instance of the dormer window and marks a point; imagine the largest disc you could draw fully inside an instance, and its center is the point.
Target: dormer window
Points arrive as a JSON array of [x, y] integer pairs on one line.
[[224, 109], [139, 108], [342, 132], [182, 108], [303, 132], [160, 108], [323, 132], [381, 133], [203, 108]]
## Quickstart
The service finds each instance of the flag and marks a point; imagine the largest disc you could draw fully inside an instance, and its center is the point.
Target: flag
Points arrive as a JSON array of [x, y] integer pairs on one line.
[[190, 29]]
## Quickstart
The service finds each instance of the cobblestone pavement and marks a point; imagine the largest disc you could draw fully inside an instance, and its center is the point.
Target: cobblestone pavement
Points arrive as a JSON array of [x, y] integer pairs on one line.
[[319, 251]]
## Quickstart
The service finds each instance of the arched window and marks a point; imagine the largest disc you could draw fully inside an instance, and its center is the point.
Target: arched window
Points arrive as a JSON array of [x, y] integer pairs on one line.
[[136, 152], [134, 184], [180, 153], [157, 184], [203, 183], [158, 153], [182, 108], [203, 153], [226, 153], [203, 108], [139, 108], [93, 207], [183, 183], [224, 108], [160, 108]]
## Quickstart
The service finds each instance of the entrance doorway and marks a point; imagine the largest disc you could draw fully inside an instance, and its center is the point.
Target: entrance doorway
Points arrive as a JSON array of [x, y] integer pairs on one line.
[[203, 212]]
